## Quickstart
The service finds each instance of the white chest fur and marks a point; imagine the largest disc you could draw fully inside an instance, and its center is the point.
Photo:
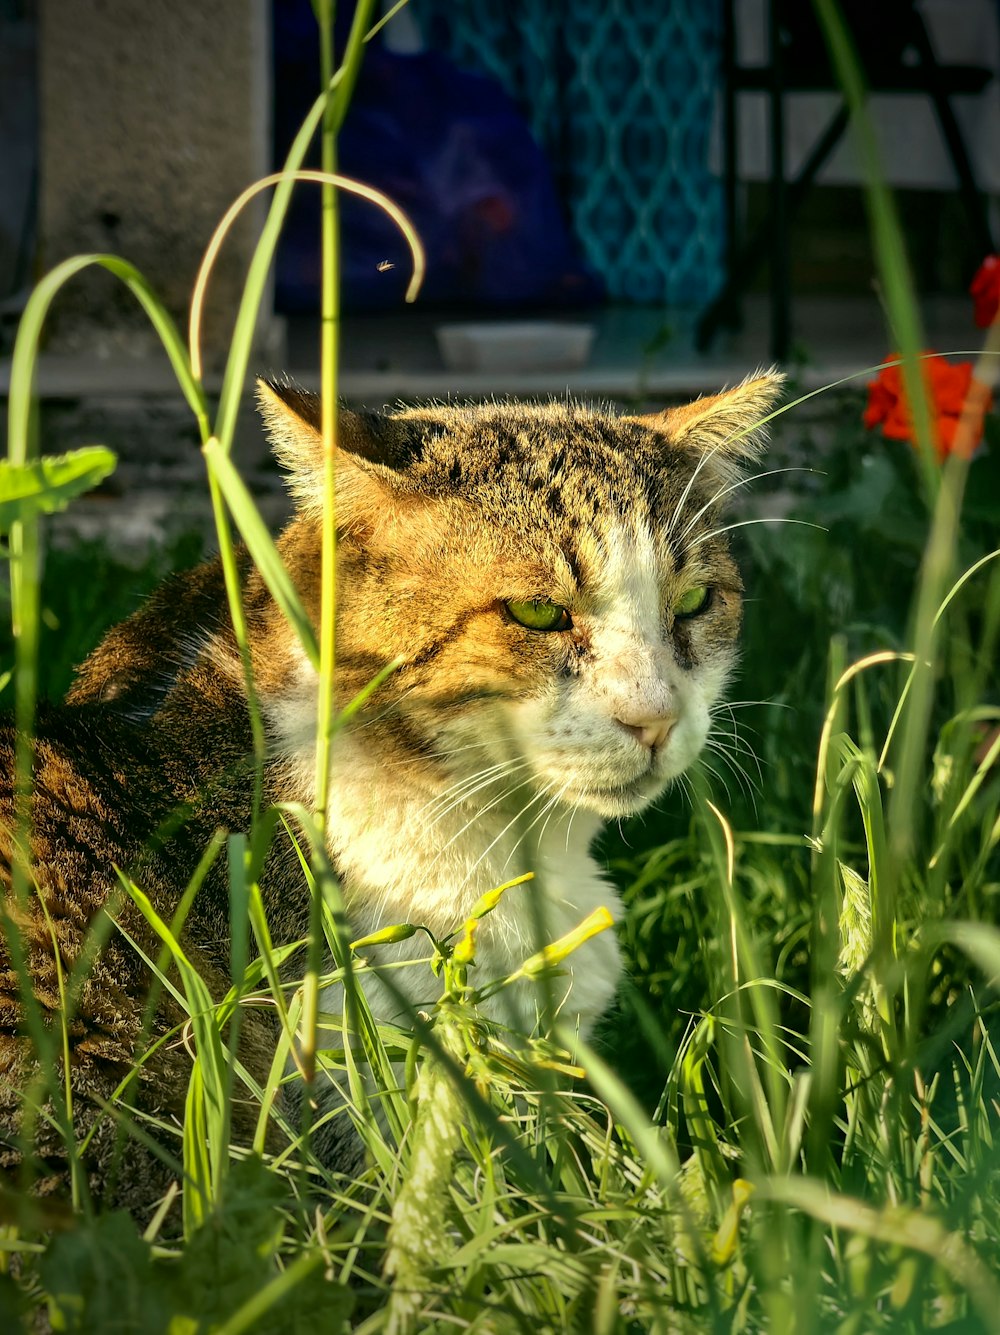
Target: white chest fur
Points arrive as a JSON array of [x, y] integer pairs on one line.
[[403, 862]]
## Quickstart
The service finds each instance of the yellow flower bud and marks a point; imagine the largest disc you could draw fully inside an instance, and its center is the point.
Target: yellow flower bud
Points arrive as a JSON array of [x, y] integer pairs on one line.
[[398, 932], [557, 951], [465, 949], [488, 902]]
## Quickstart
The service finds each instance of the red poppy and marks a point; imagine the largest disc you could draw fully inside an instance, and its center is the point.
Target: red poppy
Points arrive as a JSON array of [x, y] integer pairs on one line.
[[985, 291], [951, 391]]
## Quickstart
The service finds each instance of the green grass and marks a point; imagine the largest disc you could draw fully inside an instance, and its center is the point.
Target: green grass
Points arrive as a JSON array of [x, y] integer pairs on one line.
[[88, 589], [791, 1122], [775, 1032]]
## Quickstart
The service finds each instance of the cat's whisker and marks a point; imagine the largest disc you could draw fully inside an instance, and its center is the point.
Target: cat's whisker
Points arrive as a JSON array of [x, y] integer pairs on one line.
[[546, 814], [734, 486], [466, 799], [569, 824], [744, 523], [538, 797], [705, 458], [420, 762], [704, 764], [735, 727], [463, 788], [446, 754], [739, 746], [366, 721], [733, 744], [455, 792], [477, 815], [751, 787], [741, 774], [747, 704], [684, 784], [554, 804]]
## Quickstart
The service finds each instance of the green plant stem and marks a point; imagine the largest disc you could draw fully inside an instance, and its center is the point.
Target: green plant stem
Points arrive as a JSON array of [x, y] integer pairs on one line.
[[887, 235], [337, 101], [935, 575], [329, 356], [234, 594], [943, 488]]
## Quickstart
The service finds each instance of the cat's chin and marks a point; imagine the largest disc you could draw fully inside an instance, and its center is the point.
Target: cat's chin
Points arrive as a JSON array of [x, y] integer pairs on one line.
[[617, 800]]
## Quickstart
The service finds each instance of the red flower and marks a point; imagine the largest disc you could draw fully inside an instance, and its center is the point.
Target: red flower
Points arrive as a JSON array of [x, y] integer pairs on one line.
[[951, 391], [985, 291]]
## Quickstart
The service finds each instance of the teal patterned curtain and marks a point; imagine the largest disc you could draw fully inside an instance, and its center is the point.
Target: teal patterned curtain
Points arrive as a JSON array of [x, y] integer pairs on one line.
[[620, 93]]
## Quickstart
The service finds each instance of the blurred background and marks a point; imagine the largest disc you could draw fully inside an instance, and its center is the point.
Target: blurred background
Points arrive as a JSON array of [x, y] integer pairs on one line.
[[617, 197], [634, 200]]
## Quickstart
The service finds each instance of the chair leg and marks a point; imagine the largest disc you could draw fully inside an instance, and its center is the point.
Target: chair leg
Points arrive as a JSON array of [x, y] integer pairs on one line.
[[732, 315], [781, 298], [753, 251], [975, 204]]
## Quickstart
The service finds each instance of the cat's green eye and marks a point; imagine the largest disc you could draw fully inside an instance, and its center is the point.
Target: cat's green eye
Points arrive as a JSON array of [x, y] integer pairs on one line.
[[694, 601], [539, 614]]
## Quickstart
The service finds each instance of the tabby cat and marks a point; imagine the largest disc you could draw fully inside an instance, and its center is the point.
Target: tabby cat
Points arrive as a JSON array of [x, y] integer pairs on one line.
[[558, 589]]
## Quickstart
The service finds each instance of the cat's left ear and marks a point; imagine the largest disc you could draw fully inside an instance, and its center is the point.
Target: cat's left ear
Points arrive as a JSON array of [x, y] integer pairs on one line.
[[729, 428], [371, 460]]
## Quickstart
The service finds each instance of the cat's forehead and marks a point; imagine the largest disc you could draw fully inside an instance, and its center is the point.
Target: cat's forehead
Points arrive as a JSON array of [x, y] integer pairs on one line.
[[553, 458], [567, 487], [563, 457], [566, 493]]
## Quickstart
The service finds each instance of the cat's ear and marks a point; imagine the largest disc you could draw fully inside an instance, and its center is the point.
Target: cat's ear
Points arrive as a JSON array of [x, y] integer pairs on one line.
[[369, 461], [730, 428]]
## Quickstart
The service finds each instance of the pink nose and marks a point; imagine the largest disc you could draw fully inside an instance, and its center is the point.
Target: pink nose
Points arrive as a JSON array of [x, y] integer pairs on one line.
[[651, 732]]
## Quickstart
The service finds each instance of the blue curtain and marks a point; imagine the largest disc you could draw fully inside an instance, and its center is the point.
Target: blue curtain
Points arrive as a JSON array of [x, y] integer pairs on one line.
[[620, 93]]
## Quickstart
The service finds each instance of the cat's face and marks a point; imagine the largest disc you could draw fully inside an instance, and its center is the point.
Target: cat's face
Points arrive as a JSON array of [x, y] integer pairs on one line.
[[621, 703], [554, 581]]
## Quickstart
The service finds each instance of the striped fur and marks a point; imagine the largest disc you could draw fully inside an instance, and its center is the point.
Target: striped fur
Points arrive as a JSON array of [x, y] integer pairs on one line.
[[491, 750]]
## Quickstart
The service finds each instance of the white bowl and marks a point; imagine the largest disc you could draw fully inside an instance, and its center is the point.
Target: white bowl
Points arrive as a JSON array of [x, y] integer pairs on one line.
[[523, 345]]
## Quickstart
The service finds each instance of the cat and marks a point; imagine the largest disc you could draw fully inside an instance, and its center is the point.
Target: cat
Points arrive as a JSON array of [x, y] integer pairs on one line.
[[557, 591]]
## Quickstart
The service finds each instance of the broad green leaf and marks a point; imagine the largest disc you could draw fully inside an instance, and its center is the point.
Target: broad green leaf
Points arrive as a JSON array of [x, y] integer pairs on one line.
[[49, 484]]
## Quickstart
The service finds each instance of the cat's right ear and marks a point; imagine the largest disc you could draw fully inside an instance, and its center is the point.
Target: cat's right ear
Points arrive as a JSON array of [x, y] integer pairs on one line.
[[728, 429], [368, 471]]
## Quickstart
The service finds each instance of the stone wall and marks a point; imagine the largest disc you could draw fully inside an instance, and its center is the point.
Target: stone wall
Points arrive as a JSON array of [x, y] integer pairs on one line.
[[153, 118]]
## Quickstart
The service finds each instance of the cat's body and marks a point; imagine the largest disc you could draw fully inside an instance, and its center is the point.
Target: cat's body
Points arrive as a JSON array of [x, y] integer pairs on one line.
[[564, 614]]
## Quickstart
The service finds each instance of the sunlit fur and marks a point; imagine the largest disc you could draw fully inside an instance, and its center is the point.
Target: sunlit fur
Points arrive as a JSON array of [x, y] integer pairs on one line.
[[495, 748], [492, 750]]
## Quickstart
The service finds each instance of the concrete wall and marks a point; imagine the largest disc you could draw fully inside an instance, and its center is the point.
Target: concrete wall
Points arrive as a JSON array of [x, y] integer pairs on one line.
[[153, 117]]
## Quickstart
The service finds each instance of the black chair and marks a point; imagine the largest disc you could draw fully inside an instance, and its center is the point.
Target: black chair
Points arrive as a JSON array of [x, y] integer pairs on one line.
[[887, 35]]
